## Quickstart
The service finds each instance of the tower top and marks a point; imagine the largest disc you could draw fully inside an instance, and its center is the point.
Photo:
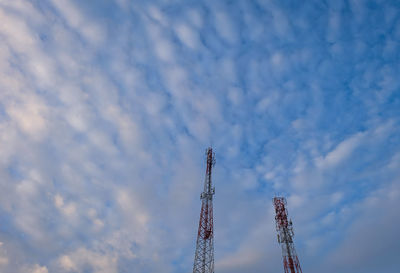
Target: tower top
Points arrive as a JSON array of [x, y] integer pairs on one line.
[[284, 228], [209, 190]]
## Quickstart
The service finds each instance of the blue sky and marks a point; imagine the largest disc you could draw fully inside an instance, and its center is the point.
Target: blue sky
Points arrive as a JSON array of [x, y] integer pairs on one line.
[[107, 107]]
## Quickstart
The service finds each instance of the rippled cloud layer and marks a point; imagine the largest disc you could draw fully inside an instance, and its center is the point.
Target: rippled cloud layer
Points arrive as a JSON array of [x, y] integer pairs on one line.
[[106, 108]]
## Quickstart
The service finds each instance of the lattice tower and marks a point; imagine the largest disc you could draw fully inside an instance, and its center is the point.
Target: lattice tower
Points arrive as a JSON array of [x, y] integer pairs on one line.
[[284, 227], [204, 257]]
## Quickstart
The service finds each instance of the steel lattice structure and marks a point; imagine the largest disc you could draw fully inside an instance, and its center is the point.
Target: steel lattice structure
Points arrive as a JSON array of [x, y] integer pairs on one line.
[[284, 228], [204, 257]]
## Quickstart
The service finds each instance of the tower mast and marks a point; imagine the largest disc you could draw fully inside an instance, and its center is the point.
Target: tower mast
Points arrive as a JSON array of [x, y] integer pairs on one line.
[[284, 227], [204, 256]]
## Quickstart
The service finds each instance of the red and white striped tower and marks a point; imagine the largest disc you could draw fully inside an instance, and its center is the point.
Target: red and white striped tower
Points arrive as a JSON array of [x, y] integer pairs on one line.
[[284, 227], [204, 257]]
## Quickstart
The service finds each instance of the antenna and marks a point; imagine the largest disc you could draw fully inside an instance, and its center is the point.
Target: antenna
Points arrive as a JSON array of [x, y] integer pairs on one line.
[[204, 256], [284, 227]]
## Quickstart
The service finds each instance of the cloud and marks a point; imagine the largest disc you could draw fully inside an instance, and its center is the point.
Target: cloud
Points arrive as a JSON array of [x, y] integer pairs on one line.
[[187, 36], [106, 109], [91, 31], [341, 152], [370, 234], [29, 116], [82, 258], [225, 27], [3, 256], [39, 269]]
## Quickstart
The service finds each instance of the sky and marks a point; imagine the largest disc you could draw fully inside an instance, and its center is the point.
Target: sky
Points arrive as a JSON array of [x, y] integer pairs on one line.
[[107, 108]]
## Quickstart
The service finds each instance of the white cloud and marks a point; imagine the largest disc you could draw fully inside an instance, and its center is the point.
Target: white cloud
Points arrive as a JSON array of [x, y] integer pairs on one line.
[[156, 14], [341, 152], [68, 209], [39, 269], [91, 30], [128, 129], [277, 60], [281, 23], [235, 96], [3, 257], [17, 32], [195, 17], [228, 70], [66, 263], [241, 259], [337, 197], [131, 206], [263, 105], [58, 201], [161, 43], [30, 116], [371, 234], [176, 80], [225, 27], [3, 261], [83, 258], [187, 35], [164, 49]]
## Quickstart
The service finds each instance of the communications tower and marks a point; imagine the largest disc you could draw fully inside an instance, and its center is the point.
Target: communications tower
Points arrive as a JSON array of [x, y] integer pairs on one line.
[[284, 228], [204, 257]]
